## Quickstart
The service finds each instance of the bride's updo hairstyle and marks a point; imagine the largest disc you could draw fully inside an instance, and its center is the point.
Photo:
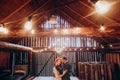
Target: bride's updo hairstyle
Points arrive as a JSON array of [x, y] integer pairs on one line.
[[57, 61]]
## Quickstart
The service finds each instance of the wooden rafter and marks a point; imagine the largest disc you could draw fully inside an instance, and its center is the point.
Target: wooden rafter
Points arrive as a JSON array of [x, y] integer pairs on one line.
[[78, 23], [81, 15], [14, 46], [11, 14]]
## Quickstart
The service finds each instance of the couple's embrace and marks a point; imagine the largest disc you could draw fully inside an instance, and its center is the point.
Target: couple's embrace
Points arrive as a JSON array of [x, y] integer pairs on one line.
[[61, 69]]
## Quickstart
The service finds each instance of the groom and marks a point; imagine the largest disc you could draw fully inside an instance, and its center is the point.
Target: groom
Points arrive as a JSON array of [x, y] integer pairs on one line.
[[66, 66]]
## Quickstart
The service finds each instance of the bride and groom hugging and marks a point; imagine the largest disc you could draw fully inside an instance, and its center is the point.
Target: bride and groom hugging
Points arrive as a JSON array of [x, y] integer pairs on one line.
[[61, 69]]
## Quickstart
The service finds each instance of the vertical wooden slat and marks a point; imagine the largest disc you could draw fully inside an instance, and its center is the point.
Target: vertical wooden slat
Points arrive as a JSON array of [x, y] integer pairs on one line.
[[109, 72], [118, 59], [102, 72], [86, 72], [96, 72]]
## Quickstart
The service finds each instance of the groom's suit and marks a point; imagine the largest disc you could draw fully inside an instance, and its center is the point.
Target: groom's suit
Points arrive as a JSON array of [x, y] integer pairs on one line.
[[66, 66]]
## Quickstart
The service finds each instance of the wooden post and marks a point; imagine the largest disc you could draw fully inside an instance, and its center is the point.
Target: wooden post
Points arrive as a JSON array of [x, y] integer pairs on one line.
[[13, 63], [76, 55], [30, 68], [109, 71]]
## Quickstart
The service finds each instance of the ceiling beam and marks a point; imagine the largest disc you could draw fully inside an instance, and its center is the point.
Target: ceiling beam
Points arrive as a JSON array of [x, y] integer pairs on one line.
[[82, 16], [7, 45], [73, 20], [101, 15], [19, 8]]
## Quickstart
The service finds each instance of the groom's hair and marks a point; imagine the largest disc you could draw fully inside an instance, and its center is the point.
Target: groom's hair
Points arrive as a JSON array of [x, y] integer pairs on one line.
[[65, 58]]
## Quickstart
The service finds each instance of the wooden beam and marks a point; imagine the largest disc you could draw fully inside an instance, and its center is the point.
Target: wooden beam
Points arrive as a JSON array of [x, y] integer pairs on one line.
[[11, 14], [81, 16], [14, 46], [34, 12], [50, 32], [73, 20], [101, 15]]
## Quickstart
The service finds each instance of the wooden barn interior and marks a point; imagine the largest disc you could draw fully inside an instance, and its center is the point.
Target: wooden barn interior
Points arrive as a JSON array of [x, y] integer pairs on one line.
[[33, 33]]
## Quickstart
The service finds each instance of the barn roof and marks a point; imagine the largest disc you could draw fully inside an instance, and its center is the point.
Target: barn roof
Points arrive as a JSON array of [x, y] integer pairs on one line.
[[14, 14]]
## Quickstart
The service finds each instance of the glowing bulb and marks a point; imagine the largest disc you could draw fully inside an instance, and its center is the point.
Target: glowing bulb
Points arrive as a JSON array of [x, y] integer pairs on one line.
[[45, 49], [87, 48], [80, 49], [28, 25], [65, 31], [55, 31], [32, 31], [102, 46], [94, 48], [49, 47], [76, 30], [75, 49], [4, 30], [59, 50], [53, 20], [102, 7], [111, 45], [102, 28]]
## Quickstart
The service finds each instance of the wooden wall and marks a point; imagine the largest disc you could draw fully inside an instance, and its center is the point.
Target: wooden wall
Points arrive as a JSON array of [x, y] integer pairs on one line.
[[4, 59], [113, 58]]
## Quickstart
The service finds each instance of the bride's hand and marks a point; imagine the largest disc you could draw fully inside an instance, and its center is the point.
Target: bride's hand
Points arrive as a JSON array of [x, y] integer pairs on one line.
[[64, 71]]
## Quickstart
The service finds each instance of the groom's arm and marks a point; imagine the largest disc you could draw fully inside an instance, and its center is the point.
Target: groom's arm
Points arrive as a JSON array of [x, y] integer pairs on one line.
[[64, 72]]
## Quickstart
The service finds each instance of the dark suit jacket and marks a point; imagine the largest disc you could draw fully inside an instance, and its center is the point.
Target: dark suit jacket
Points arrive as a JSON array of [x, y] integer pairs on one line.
[[67, 67]]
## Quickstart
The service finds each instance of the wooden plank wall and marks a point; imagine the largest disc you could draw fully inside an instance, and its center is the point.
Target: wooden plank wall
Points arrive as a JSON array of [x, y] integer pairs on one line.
[[94, 71], [4, 59], [114, 59], [60, 42]]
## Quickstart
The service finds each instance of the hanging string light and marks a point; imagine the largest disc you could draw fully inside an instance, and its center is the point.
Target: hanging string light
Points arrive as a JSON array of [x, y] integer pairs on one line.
[[3, 29], [28, 24], [102, 28], [32, 31], [102, 7], [92, 1], [55, 31], [52, 20]]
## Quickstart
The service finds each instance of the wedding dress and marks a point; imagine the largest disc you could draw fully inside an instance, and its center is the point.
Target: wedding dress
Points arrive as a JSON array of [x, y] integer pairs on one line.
[[56, 74]]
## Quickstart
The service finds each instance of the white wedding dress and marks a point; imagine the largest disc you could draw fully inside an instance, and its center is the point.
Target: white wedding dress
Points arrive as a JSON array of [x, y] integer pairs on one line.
[[56, 74]]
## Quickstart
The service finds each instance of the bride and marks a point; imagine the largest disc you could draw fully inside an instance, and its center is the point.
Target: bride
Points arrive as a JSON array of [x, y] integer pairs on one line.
[[58, 69]]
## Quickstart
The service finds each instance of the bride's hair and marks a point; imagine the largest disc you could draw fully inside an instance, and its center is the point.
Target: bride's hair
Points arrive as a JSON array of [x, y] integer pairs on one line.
[[57, 59]]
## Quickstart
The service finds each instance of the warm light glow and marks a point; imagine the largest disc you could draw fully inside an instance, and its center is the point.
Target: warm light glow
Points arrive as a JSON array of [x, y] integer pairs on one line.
[[102, 46], [111, 45], [76, 30], [32, 31], [58, 50], [65, 31], [80, 49], [45, 49], [87, 48], [28, 25], [102, 28], [3, 30], [94, 48], [70, 49], [55, 31], [75, 49], [53, 20], [6, 31], [102, 7], [49, 47]]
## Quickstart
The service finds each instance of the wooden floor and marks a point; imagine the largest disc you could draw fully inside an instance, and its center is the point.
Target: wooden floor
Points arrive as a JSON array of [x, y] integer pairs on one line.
[[51, 78]]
